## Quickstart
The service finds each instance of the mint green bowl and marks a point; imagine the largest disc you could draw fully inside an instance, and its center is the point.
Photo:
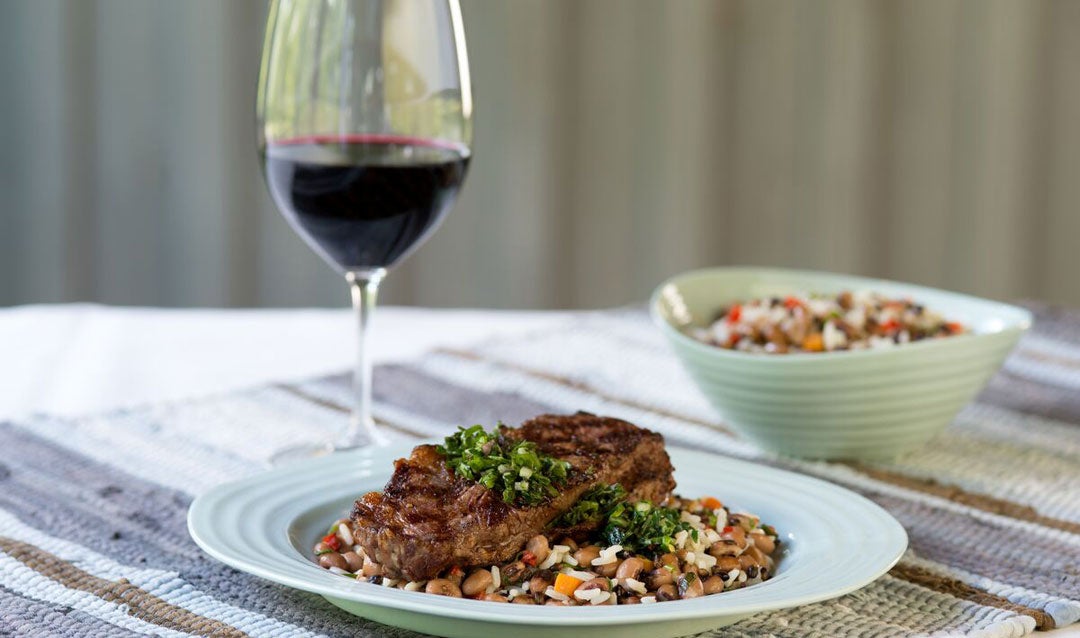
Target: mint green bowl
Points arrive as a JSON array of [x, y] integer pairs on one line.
[[868, 404]]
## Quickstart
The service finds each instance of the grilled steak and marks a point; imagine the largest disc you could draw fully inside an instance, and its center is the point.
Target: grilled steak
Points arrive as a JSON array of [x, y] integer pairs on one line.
[[427, 519]]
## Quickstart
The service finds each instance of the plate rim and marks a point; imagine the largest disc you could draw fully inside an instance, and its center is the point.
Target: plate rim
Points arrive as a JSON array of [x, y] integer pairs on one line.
[[462, 609]]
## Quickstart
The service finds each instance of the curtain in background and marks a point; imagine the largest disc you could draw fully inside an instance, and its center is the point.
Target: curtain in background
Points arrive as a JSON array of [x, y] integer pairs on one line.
[[617, 142]]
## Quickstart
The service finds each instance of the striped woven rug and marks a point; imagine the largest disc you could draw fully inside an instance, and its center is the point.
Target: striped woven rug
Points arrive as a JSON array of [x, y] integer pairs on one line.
[[93, 539]]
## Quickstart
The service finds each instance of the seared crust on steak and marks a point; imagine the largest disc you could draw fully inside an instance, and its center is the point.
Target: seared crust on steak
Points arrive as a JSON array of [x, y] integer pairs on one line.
[[427, 519]]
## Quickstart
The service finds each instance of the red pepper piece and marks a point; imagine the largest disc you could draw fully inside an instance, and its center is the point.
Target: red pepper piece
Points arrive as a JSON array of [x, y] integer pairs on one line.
[[791, 303], [529, 558], [734, 314], [332, 541]]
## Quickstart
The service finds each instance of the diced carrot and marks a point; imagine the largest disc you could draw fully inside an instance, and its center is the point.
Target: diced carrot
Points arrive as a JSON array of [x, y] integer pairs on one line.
[[566, 584], [734, 314], [813, 342], [954, 327], [892, 325], [711, 503], [792, 302]]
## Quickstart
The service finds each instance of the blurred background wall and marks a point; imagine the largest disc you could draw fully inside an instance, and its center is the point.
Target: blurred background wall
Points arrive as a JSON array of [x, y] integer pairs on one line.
[[617, 142]]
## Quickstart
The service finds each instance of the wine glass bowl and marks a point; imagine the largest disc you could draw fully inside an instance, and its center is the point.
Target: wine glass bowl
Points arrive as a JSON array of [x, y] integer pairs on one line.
[[364, 112]]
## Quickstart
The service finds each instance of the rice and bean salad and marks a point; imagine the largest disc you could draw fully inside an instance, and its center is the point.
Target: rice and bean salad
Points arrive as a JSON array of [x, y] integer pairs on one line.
[[643, 554], [799, 323]]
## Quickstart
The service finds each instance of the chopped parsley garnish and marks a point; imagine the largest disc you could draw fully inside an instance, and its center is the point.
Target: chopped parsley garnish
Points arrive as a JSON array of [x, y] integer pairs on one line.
[[644, 527], [595, 505], [514, 469]]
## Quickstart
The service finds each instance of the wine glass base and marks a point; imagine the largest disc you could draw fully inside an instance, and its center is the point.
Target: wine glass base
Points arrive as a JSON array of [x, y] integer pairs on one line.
[[300, 453]]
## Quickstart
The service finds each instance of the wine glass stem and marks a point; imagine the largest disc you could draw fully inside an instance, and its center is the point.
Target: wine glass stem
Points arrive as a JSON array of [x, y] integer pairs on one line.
[[364, 286]]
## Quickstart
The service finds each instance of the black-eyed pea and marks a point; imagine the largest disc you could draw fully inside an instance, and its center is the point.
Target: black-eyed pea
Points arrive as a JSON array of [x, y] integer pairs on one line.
[[630, 568], [726, 547], [735, 533], [477, 582], [585, 556], [713, 585], [669, 560], [513, 572], [539, 583], [608, 570], [690, 586], [333, 559], [658, 577], [538, 547], [355, 561], [746, 562], [602, 584], [443, 587], [371, 568], [755, 554], [727, 563]]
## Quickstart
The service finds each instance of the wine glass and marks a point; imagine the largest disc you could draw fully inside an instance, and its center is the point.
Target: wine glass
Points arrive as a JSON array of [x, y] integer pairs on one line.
[[364, 129]]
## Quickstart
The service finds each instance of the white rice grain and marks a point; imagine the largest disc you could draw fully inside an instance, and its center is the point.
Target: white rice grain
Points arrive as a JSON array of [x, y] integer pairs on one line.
[[634, 585], [588, 595], [607, 555], [582, 576]]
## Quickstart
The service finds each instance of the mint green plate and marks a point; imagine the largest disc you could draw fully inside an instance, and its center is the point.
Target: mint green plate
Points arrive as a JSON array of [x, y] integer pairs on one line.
[[833, 541], [868, 404]]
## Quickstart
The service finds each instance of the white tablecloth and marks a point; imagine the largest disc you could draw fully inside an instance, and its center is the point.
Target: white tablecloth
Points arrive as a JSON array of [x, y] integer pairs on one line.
[[79, 359]]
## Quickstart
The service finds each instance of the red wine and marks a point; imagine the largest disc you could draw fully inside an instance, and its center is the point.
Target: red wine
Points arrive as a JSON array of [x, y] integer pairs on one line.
[[364, 202]]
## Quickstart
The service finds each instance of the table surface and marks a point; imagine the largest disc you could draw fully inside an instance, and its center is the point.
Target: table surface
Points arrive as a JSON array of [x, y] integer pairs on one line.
[[82, 358]]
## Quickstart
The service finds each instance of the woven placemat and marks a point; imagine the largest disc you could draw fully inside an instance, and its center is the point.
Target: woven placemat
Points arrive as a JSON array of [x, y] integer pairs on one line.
[[93, 537]]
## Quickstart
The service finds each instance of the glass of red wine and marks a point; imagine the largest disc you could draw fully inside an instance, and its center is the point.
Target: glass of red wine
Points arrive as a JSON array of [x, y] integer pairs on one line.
[[364, 129]]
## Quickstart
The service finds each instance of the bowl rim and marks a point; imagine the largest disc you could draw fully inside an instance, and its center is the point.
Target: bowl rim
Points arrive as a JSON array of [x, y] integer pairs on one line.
[[1012, 327]]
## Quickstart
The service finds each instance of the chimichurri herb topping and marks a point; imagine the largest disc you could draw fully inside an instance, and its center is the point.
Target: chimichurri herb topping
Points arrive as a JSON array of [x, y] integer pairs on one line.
[[644, 527], [514, 469], [595, 505]]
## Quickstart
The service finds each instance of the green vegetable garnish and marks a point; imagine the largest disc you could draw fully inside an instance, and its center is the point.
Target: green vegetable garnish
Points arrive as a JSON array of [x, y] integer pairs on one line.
[[596, 504], [642, 526], [515, 469]]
